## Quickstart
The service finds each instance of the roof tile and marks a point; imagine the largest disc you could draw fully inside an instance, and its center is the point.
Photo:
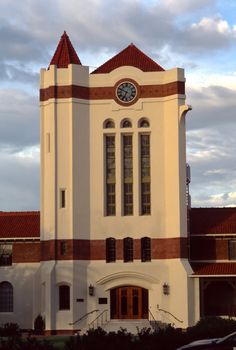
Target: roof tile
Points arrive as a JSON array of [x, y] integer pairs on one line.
[[212, 221], [19, 224], [214, 269], [65, 53], [130, 56]]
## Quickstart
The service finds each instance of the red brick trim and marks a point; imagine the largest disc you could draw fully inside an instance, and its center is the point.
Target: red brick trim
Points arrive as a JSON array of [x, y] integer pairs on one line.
[[108, 93], [163, 248], [26, 252], [30, 252]]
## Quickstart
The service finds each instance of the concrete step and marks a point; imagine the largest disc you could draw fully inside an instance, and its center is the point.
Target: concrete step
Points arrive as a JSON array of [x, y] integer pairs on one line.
[[132, 326]]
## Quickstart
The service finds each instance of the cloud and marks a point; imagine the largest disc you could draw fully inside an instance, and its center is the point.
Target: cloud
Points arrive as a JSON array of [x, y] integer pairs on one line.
[[19, 185], [19, 119]]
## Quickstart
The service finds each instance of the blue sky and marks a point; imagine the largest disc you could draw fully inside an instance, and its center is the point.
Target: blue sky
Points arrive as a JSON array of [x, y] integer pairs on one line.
[[198, 35]]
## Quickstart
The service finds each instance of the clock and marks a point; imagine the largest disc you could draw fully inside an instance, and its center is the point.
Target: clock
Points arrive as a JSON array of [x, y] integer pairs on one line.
[[126, 92]]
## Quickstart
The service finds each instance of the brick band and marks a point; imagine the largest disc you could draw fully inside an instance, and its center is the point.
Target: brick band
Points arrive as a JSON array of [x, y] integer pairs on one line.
[[169, 248], [106, 93]]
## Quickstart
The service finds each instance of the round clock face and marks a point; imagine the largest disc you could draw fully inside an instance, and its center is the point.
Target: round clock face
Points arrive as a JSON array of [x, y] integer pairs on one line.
[[126, 92]]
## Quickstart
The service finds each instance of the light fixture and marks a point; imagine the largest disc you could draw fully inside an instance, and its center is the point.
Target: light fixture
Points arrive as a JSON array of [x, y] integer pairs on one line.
[[91, 290], [166, 289]]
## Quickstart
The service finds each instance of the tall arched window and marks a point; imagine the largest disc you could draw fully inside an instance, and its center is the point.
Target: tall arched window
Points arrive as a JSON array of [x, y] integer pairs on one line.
[[128, 249], [6, 297], [145, 249], [110, 249], [64, 297]]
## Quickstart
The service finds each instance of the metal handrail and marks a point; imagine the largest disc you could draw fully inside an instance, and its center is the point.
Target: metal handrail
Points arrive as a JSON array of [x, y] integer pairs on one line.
[[81, 318], [98, 317], [150, 312], [167, 312]]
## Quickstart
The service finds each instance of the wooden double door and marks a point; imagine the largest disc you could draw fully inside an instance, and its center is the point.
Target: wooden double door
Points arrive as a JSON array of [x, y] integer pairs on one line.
[[129, 302]]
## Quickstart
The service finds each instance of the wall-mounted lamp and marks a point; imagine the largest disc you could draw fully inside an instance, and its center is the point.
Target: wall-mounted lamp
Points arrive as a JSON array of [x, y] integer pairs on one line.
[[166, 289], [91, 290]]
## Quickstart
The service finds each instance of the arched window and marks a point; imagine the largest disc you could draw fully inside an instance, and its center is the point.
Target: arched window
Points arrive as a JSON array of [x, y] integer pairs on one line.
[[128, 249], [6, 297], [144, 123], [110, 249], [145, 249], [64, 297], [109, 124], [126, 123]]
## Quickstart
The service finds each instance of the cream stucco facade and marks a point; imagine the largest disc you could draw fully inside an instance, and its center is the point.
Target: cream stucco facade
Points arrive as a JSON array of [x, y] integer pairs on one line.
[[74, 224]]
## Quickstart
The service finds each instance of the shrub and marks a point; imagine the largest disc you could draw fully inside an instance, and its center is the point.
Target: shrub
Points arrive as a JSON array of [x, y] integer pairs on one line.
[[39, 325], [10, 330]]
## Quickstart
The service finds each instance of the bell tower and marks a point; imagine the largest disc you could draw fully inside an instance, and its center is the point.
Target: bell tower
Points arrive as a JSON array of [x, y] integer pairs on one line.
[[113, 189]]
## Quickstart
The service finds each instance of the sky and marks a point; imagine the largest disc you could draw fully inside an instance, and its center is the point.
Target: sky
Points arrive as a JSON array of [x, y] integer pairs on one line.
[[197, 35]]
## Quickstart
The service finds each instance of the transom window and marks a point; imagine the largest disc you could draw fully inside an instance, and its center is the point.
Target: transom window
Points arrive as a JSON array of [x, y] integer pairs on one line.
[[109, 124], [6, 297], [126, 124], [144, 123]]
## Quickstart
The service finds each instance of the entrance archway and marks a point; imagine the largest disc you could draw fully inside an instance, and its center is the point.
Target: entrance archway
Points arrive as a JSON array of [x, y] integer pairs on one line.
[[129, 302]]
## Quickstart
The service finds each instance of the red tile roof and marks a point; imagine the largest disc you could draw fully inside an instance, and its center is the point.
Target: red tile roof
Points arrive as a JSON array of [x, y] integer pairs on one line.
[[130, 56], [65, 53], [19, 224], [214, 269], [212, 221]]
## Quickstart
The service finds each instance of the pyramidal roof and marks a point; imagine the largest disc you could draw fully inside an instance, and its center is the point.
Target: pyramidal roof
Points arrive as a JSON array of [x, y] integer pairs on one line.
[[65, 53], [130, 56]]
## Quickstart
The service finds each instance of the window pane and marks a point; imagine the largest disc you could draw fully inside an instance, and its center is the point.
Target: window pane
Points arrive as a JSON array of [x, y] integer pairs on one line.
[[64, 297], [128, 249], [110, 249], [146, 249]]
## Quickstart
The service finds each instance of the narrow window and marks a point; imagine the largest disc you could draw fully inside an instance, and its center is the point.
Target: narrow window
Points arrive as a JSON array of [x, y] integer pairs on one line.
[[110, 176], [5, 254], [48, 142], [63, 198], [128, 249], [145, 175], [110, 250], [63, 248], [6, 297], [145, 249], [232, 249], [127, 175], [64, 297]]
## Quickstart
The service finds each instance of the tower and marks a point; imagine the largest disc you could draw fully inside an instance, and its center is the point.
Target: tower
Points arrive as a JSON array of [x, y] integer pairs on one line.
[[113, 190]]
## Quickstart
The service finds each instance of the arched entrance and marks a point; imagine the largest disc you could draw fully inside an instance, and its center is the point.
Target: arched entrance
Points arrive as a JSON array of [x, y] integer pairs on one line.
[[129, 302]]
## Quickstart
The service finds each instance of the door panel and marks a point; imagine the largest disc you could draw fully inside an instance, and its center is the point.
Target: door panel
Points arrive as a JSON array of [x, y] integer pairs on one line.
[[129, 302]]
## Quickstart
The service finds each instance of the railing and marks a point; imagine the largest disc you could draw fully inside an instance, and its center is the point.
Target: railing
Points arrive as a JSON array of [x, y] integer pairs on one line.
[[100, 320], [169, 313], [81, 318]]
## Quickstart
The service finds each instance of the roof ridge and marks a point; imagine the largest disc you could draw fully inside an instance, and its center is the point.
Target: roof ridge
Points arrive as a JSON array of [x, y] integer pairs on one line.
[[129, 56]]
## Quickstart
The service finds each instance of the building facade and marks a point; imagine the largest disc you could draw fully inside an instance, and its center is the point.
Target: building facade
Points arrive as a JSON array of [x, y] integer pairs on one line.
[[111, 242]]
